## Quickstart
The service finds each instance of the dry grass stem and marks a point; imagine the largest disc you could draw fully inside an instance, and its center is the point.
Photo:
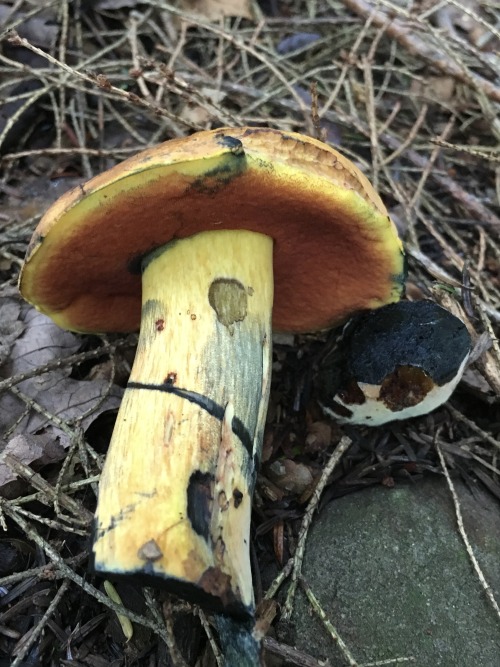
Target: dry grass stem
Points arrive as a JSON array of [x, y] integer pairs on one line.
[[332, 463], [470, 552], [419, 47], [343, 648], [23, 648]]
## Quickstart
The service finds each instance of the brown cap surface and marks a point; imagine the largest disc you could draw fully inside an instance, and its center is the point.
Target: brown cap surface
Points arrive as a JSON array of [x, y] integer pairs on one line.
[[335, 249]]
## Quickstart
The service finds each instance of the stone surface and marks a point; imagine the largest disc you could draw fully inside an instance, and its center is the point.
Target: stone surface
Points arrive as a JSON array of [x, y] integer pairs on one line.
[[393, 575]]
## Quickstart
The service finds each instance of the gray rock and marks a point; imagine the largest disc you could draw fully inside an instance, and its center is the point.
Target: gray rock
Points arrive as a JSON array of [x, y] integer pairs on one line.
[[394, 578]]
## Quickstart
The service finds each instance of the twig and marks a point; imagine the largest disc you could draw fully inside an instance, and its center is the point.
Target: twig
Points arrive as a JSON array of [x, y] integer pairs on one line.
[[55, 525], [372, 120], [416, 46], [489, 153], [100, 81], [134, 48], [41, 497], [289, 654], [60, 113], [31, 404], [360, 36], [410, 137], [318, 610], [344, 649], [64, 362], [334, 459], [390, 661], [489, 329], [56, 558], [219, 658], [76, 444], [415, 200], [81, 515], [282, 576], [243, 46], [14, 117], [469, 201], [37, 630], [463, 534], [314, 111], [165, 622]]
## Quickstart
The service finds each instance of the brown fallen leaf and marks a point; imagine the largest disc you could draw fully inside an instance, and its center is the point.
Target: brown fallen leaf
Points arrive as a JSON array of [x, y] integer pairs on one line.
[[26, 432], [213, 10], [10, 326], [319, 436], [292, 477], [278, 541], [436, 88], [264, 616], [39, 449]]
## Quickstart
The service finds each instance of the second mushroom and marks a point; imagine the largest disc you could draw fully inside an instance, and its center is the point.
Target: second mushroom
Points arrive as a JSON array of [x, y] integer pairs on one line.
[[207, 242]]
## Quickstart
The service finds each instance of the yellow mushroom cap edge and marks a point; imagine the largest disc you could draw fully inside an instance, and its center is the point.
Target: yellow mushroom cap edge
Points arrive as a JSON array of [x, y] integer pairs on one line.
[[336, 251]]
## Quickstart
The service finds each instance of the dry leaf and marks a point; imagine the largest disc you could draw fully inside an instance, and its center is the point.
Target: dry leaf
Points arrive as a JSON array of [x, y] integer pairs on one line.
[[264, 616], [319, 436], [477, 384], [269, 490], [42, 342], [214, 10], [28, 449], [41, 30], [10, 326], [486, 363], [437, 88], [39, 342], [290, 476], [267, 447], [117, 4], [196, 115]]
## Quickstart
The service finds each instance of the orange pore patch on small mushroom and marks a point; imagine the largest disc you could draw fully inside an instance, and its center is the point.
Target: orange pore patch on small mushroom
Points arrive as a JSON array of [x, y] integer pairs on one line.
[[335, 249], [405, 387]]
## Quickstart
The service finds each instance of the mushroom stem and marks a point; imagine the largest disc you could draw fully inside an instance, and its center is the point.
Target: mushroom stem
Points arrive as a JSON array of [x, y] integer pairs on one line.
[[175, 493]]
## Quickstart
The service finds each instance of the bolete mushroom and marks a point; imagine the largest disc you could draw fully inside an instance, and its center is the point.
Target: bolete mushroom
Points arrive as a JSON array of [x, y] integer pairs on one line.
[[198, 225], [400, 361]]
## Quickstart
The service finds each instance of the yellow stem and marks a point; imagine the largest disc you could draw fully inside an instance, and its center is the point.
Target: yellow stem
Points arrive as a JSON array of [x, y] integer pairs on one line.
[[175, 494]]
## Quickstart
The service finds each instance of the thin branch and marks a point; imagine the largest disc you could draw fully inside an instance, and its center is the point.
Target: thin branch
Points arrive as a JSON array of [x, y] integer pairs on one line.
[[333, 461], [463, 534], [38, 629], [416, 46]]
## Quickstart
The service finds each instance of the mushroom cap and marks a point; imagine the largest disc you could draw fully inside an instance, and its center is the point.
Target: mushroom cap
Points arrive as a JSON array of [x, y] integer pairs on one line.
[[336, 251], [400, 361]]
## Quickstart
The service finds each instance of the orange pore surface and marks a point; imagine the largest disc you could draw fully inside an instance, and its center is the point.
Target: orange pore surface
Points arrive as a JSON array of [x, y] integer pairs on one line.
[[335, 250]]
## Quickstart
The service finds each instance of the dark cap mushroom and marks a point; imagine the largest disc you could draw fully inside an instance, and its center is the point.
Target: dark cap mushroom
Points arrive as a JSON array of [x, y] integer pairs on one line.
[[198, 226], [400, 361]]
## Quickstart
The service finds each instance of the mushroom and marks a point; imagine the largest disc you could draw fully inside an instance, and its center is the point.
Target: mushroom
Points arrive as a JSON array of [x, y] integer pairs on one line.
[[198, 225], [400, 361]]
